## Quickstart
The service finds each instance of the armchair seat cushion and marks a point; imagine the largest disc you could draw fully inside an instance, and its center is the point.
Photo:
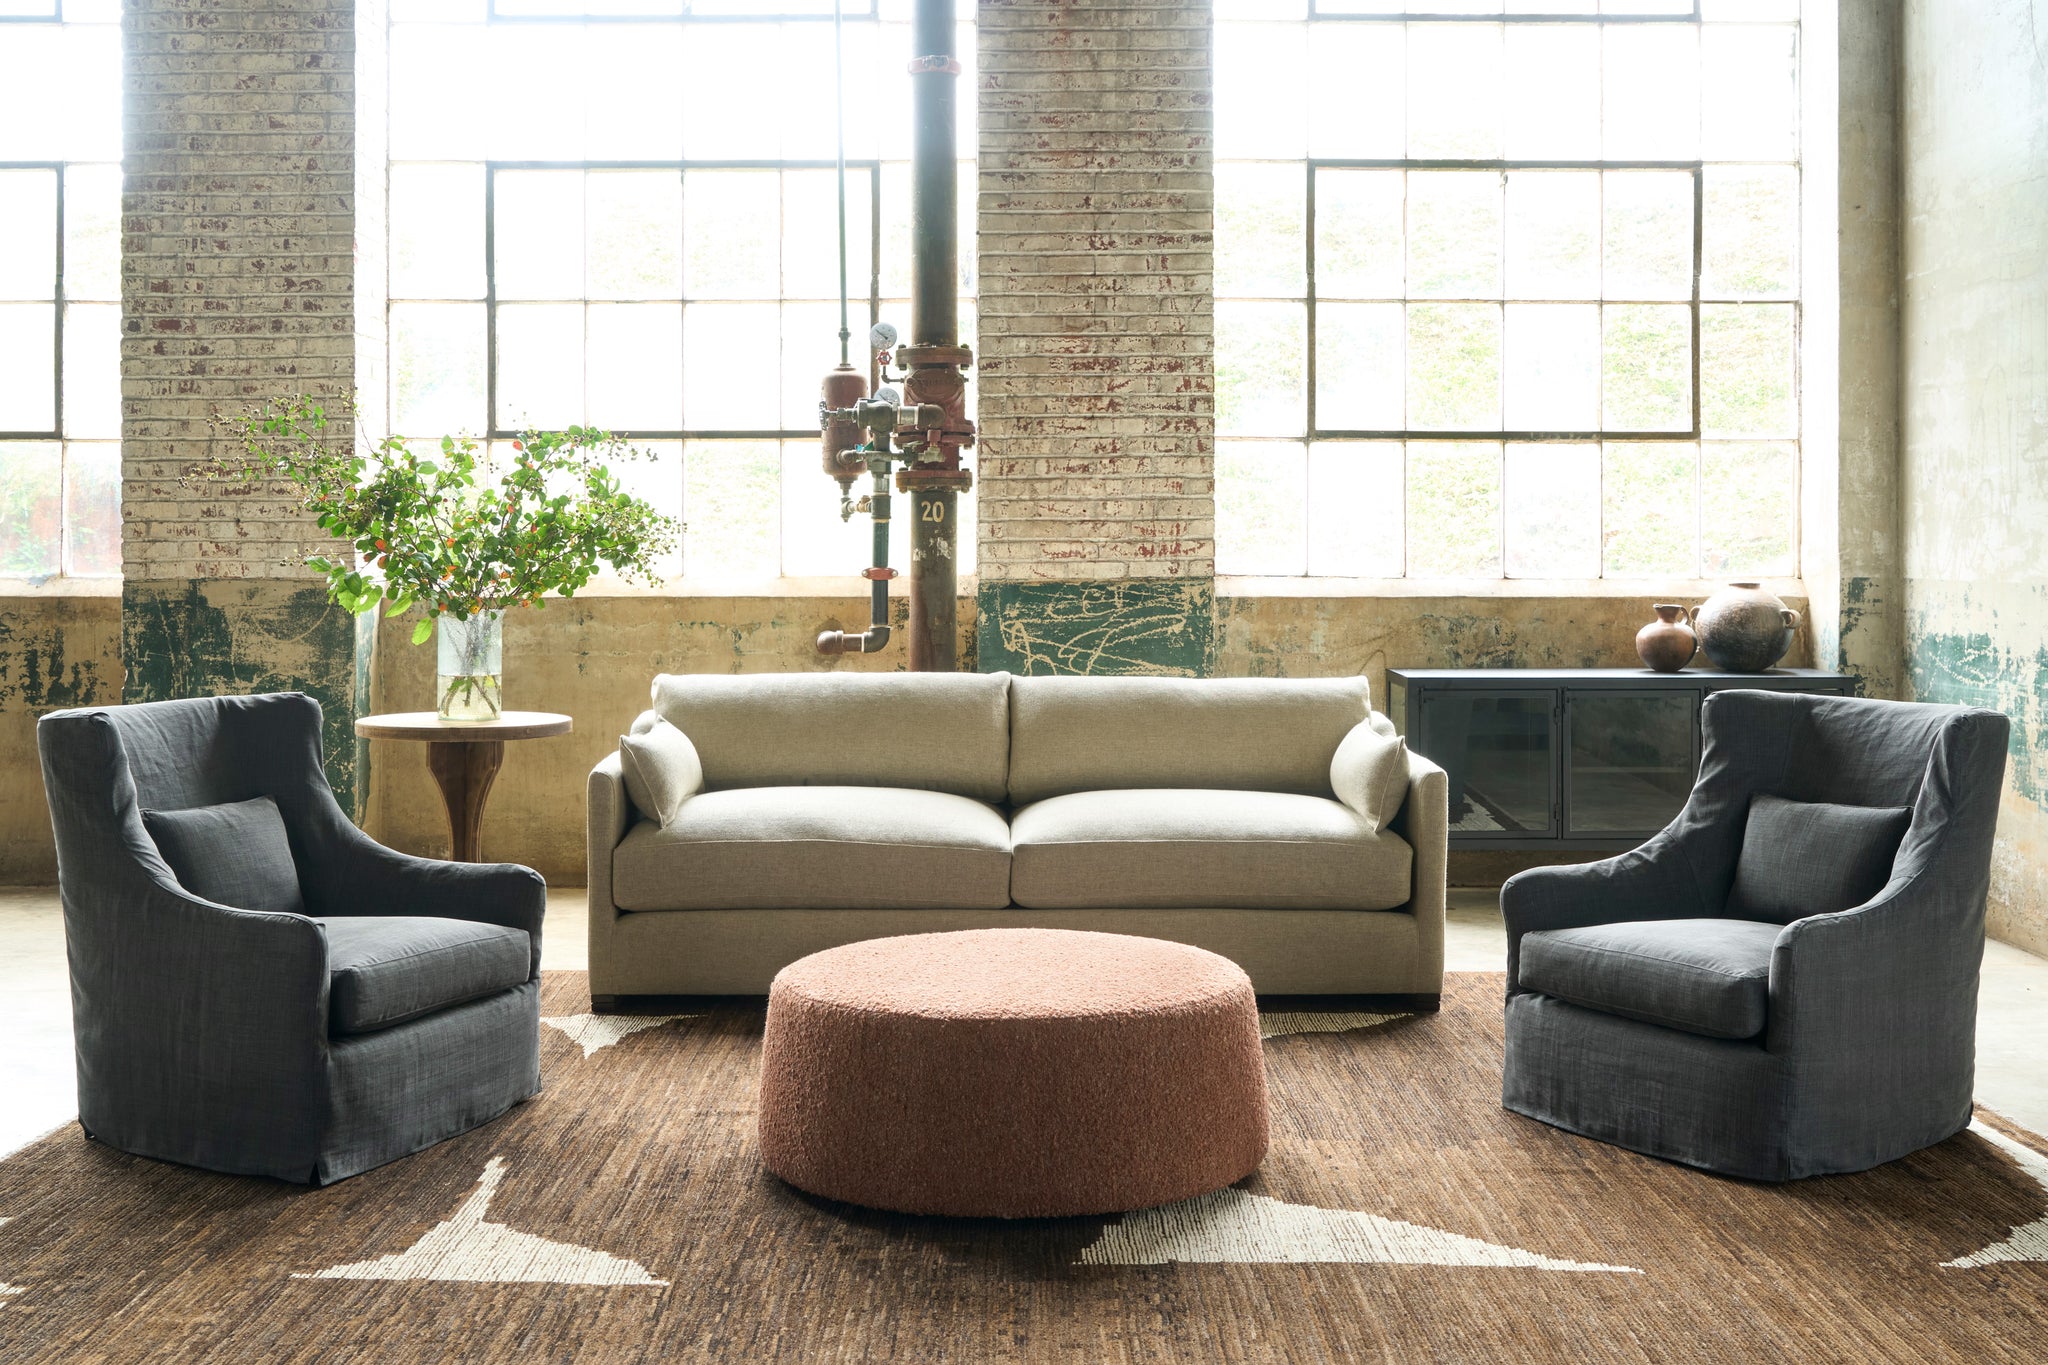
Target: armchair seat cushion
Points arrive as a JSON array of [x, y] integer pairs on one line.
[[1706, 976], [384, 970], [829, 848], [1185, 849]]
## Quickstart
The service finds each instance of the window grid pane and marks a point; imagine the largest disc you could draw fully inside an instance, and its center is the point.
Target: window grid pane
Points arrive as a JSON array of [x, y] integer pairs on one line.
[[60, 188], [1587, 267], [582, 263]]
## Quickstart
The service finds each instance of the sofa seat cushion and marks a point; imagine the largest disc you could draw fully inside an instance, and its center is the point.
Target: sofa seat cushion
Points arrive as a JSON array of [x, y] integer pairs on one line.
[[771, 848], [386, 969], [1179, 849], [1706, 976]]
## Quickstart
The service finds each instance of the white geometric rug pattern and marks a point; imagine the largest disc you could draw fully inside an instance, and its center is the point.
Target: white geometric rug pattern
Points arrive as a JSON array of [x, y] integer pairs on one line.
[[2027, 1242], [8, 1291], [1282, 1022], [596, 1032], [470, 1248], [1234, 1226]]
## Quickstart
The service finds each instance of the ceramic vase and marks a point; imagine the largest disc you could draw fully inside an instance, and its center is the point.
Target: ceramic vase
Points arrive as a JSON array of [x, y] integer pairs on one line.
[[468, 673], [1667, 644], [1743, 629]]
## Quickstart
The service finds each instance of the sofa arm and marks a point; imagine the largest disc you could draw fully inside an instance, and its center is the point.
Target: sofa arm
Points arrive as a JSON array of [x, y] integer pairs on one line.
[[1424, 820], [608, 815]]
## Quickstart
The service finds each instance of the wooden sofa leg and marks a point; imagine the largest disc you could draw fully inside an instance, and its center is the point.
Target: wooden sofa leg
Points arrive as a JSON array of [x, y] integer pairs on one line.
[[604, 1004]]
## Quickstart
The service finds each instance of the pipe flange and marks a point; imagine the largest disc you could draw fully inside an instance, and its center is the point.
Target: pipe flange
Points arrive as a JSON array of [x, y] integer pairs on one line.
[[910, 356], [938, 65], [934, 480]]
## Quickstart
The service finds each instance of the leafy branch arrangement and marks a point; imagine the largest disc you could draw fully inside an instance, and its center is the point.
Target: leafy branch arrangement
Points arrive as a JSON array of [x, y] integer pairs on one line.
[[450, 530]]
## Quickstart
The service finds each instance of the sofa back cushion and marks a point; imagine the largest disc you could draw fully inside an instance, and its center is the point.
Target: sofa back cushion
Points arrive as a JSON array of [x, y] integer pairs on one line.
[[945, 732], [1803, 858], [1071, 734]]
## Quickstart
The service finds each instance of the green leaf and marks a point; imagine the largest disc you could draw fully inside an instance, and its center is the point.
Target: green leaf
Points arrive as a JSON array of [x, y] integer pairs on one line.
[[421, 629]]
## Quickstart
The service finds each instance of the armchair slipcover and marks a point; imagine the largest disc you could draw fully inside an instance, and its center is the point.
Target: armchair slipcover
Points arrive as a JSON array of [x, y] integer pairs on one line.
[[212, 1035], [1866, 1048]]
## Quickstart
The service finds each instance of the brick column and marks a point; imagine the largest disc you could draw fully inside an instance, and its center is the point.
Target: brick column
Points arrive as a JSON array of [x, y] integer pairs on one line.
[[1096, 407], [238, 264]]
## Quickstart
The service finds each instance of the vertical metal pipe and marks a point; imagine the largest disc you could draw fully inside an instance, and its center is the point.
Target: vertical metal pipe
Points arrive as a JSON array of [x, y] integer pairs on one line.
[[934, 190], [935, 358], [934, 580]]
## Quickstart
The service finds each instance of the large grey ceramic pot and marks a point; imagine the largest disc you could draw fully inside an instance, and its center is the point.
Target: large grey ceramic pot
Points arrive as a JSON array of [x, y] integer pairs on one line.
[[1744, 629]]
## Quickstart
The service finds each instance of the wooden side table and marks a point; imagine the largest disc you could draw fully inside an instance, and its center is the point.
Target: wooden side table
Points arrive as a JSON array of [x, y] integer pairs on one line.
[[464, 757]]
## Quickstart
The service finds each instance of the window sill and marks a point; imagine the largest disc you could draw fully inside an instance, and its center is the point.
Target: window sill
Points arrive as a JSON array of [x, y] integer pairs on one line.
[[59, 586], [837, 585], [1689, 591]]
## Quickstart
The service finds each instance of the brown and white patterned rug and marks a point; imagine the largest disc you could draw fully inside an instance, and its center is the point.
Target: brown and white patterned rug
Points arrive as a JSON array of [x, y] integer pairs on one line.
[[1402, 1215]]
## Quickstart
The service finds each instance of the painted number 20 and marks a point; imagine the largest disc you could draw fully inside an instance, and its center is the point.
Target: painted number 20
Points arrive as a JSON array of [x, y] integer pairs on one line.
[[933, 511]]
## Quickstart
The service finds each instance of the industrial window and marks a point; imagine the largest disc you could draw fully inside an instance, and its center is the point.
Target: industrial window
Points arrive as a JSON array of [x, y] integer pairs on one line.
[[60, 289], [625, 215], [1507, 290]]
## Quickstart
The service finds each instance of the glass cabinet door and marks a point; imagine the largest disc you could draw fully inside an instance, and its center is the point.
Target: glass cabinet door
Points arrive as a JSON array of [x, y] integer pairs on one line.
[[1499, 751], [1629, 760]]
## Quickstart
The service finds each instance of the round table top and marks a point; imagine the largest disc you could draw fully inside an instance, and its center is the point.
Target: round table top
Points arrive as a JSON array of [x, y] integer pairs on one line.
[[428, 725]]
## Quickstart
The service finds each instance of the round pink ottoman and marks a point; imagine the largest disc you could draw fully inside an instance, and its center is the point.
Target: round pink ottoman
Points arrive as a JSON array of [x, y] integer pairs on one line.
[[1012, 1073]]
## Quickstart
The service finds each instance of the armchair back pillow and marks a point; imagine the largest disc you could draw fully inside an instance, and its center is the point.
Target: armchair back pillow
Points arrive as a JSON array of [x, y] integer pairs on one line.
[[1803, 858], [235, 854]]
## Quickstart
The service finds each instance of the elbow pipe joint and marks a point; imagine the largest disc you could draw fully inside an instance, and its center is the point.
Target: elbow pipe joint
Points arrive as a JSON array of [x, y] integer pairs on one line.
[[872, 641]]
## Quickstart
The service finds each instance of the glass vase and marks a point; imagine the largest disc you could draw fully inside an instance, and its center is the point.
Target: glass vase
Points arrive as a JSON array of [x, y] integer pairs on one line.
[[471, 661]]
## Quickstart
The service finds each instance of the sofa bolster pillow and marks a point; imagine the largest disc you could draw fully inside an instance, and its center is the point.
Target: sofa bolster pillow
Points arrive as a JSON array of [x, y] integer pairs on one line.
[[661, 770], [1370, 774]]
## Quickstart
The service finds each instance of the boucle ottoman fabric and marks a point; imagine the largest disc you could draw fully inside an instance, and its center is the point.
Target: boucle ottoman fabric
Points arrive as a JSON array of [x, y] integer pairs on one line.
[[1012, 1073]]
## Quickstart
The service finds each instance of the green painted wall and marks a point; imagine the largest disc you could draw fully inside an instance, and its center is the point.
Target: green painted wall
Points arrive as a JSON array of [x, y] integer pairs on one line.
[[55, 652], [200, 638], [1160, 626], [1974, 405]]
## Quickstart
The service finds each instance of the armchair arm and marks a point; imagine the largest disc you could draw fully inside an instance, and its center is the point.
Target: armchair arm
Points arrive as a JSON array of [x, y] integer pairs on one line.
[[353, 874], [1873, 1011], [1892, 978], [198, 1019], [1655, 881]]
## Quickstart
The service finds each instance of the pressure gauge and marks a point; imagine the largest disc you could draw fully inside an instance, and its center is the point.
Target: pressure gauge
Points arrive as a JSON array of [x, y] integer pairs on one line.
[[887, 393], [881, 337]]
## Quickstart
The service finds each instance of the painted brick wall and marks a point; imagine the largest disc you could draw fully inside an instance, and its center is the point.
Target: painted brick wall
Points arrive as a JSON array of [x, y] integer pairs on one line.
[[237, 264], [238, 272], [1097, 398]]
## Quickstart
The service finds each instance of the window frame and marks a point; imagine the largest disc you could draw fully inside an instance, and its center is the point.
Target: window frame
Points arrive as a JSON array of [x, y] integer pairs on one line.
[[55, 431], [1312, 435], [872, 167], [867, 16], [1313, 432]]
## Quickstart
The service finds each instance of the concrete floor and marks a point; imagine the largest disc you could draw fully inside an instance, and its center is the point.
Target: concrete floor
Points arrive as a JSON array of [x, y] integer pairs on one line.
[[38, 1091]]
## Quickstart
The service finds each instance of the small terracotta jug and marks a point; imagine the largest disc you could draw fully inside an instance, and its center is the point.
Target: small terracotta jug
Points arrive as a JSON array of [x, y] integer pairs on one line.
[[1667, 644]]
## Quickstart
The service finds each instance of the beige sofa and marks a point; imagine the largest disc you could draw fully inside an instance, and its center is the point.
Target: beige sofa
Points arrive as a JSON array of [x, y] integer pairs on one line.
[[834, 807]]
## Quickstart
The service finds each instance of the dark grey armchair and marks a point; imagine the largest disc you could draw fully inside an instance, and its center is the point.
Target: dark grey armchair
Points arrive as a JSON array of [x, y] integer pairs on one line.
[[377, 1004], [1782, 983]]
